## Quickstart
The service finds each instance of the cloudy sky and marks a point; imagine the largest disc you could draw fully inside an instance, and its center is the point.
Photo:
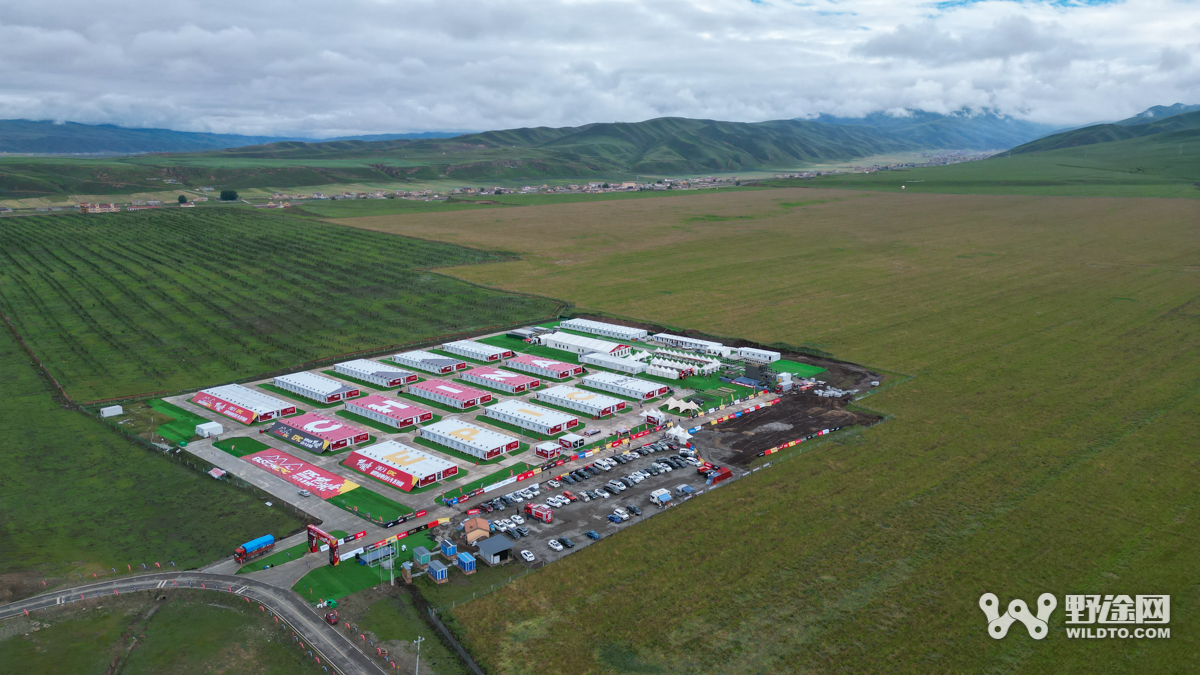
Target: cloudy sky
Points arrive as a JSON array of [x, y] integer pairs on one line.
[[376, 66]]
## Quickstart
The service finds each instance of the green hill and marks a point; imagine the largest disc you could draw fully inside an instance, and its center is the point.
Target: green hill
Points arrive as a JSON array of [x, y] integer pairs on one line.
[[46, 137], [961, 130], [1178, 127]]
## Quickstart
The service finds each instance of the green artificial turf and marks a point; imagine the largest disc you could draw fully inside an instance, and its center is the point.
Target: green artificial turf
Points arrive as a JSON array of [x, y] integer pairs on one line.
[[241, 446], [369, 502]]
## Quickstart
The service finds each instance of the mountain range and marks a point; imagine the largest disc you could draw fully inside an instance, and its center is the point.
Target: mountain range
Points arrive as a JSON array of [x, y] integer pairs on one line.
[[1163, 124]]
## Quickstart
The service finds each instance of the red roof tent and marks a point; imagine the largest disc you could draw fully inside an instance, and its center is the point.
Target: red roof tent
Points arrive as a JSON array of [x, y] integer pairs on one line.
[[405, 414], [451, 393], [337, 434], [514, 383], [544, 366]]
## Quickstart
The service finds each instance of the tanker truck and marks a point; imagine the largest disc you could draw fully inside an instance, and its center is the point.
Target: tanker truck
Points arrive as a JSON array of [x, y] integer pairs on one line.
[[254, 548]]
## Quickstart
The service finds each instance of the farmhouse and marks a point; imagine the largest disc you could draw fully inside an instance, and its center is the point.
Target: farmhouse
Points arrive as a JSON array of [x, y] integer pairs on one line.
[[477, 350], [578, 344], [454, 395], [314, 432], [587, 402], [316, 387], [513, 383], [540, 365], [532, 417], [430, 362], [681, 342], [758, 355], [624, 386], [613, 363], [466, 437], [242, 403], [399, 465], [388, 411], [609, 330], [375, 373]]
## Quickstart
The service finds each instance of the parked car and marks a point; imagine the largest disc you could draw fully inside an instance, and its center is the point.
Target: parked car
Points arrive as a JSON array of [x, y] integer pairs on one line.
[[565, 541], [625, 481], [305, 493], [571, 496], [517, 519], [513, 534], [602, 493], [554, 484], [527, 556], [500, 526], [569, 480], [633, 509], [592, 534], [623, 515], [612, 518], [553, 544], [693, 461], [524, 531], [586, 496], [591, 468]]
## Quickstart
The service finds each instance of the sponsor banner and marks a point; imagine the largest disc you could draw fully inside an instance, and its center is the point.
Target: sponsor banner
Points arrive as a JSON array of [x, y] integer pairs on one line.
[[500, 484], [300, 473], [472, 512], [224, 407], [347, 556], [380, 471], [642, 433], [404, 519], [303, 439], [525, 475]]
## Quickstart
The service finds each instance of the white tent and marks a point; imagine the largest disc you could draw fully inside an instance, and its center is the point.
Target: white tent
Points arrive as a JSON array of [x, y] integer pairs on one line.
[[679, 435], [682, 406]]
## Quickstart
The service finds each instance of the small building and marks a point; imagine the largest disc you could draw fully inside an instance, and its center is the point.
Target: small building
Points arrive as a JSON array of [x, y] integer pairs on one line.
[[375, 372], [399, 465], [578, 344], [758, 355], [438, 572], [421, 556], [495, 550], [389, 411], [466, 562], [209, 429], [455, 395], [654, 417], [430, 362], [608, 330], [449, 549], [540, 365], [571, 441], [468, 438], [587, 402], [621, 365], [477, 350], [513, 383], [111, 411], [98, 208], [317, 433], [532, 417], [624, 386], [547, 450], [243, 404], [316, 387], [475, 529], [694, 344]]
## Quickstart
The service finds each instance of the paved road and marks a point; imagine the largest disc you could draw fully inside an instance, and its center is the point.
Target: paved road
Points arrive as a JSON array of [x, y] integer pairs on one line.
[[334, 648]]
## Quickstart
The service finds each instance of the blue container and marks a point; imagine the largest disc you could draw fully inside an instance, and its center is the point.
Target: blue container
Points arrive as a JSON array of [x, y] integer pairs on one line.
[[466, 562], [449, 549], [255, 544], [438, 571]]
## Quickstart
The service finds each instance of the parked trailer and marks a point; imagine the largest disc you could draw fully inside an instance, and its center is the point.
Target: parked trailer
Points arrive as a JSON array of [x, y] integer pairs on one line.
[[254, 548], [660, 497]]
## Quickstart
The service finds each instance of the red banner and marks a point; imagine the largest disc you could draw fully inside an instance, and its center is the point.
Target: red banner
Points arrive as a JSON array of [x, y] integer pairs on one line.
[[472, 512], [380, 471], [300, 473], [223, 407]]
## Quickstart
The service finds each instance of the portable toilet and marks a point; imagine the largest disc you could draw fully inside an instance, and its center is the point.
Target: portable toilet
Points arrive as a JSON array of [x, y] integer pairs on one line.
[[548, 450], [421, 556], [466, 563], [438, 572], [449, 548]]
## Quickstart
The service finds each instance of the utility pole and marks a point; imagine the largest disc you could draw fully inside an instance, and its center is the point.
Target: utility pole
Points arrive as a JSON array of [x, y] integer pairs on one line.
[[418, 642]]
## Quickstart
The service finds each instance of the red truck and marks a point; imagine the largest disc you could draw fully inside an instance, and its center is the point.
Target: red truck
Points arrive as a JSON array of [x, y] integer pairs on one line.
[[539, 512]]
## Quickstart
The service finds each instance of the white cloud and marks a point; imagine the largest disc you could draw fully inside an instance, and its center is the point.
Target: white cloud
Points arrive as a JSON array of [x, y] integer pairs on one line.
[[361, 66]]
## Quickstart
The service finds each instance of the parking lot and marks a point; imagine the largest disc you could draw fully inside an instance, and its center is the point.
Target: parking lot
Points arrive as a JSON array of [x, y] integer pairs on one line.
[[575, 519]]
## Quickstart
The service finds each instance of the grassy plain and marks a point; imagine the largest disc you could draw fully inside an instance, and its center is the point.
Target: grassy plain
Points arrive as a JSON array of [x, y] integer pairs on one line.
[[125, 304], [1046, 442], [190, 633], [79, 498]]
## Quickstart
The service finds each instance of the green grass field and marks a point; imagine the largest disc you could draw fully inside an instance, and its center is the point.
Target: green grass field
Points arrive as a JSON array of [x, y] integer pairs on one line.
[[125, 304], [190, 633], [78, 497], [370, 505], [182, 427], [241, 446], [327, 582], [1045, 442]]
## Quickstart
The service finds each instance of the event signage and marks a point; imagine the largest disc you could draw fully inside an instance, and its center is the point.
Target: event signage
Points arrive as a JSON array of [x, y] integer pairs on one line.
[[403, 519], [301, 473], [301, 438], [224, 407]]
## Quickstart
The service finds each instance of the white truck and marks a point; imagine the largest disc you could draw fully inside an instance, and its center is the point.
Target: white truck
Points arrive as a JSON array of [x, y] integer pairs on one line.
[[660, 497]]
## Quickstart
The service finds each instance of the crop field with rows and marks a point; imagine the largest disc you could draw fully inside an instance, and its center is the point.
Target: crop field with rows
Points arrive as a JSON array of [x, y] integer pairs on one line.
[[132, 303]]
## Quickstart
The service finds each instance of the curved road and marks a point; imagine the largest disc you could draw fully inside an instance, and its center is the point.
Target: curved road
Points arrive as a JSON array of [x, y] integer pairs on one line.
[[335, 649]]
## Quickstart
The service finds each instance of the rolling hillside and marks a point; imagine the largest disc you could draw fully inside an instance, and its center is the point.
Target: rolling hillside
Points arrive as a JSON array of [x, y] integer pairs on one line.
[[962, 130], [1181, 127]]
